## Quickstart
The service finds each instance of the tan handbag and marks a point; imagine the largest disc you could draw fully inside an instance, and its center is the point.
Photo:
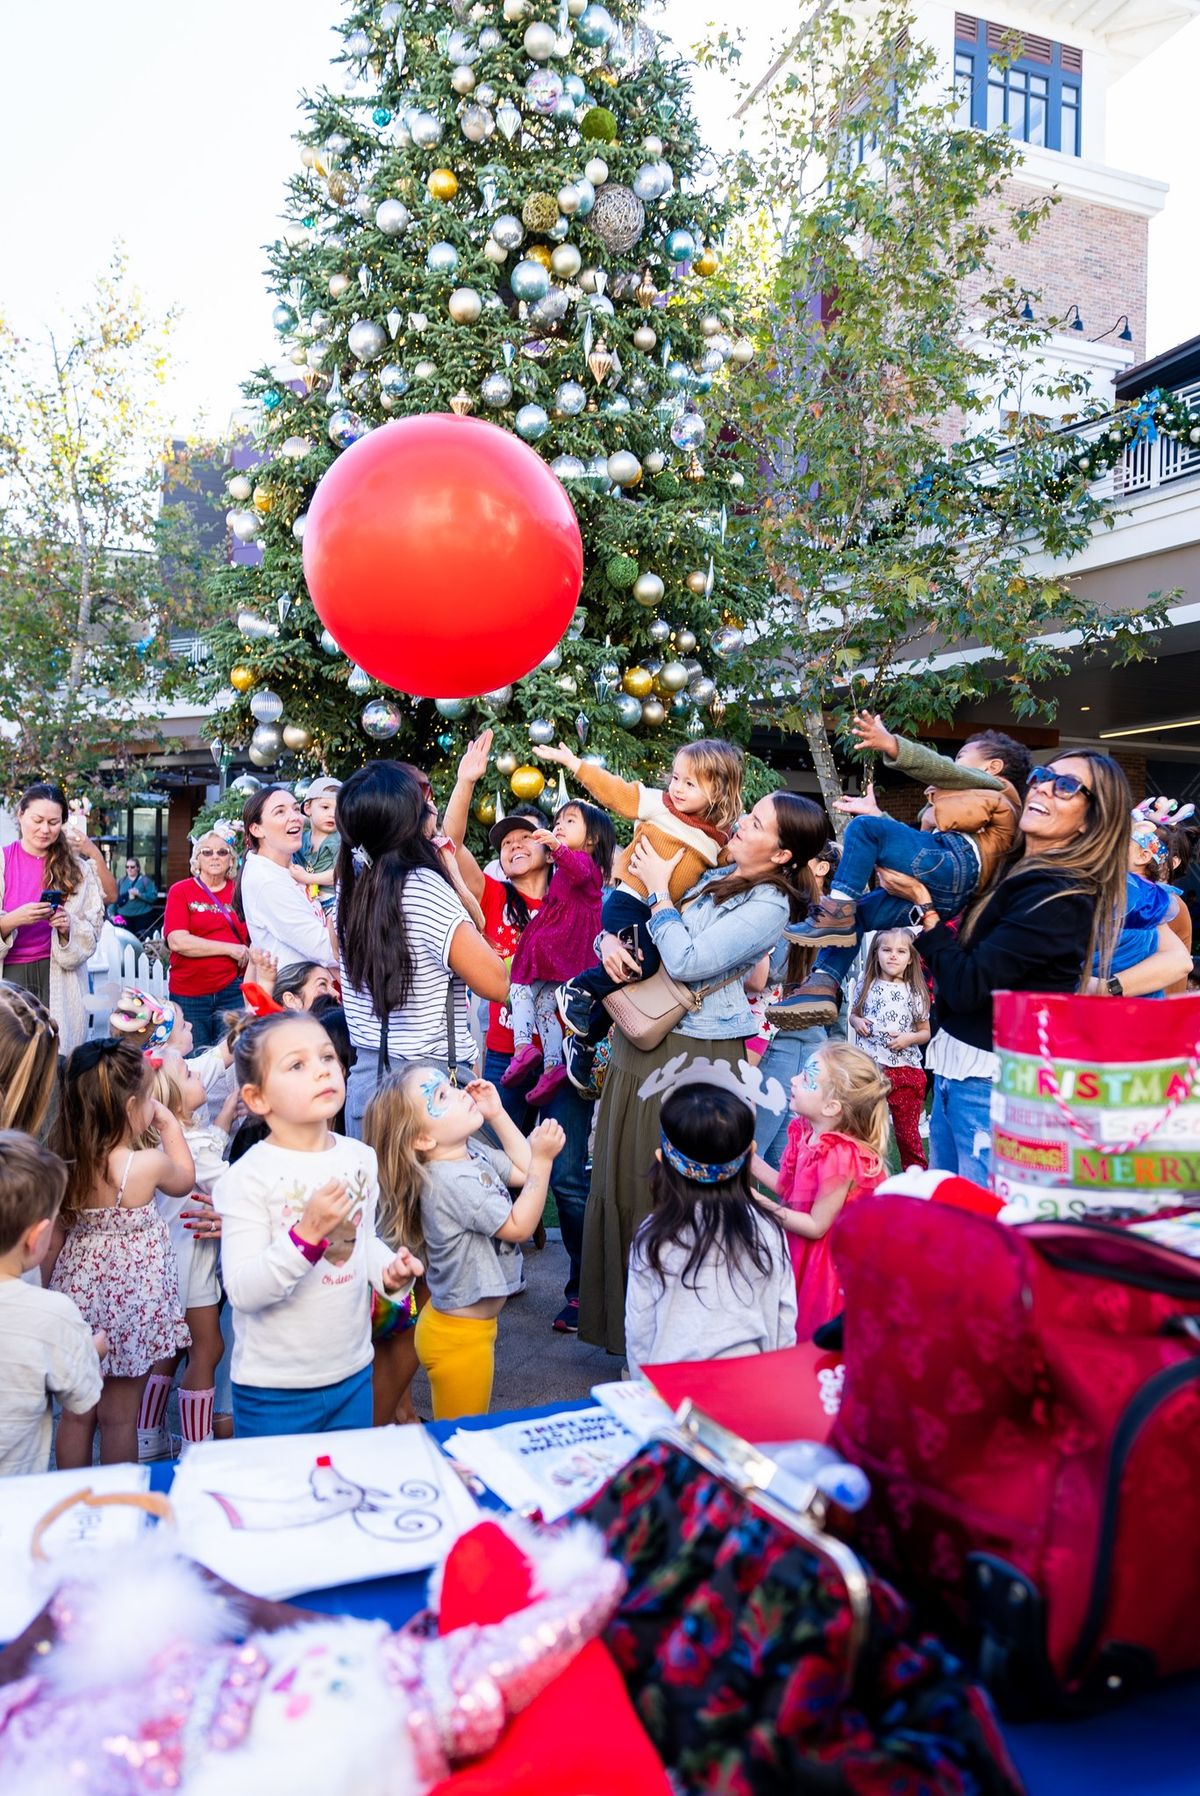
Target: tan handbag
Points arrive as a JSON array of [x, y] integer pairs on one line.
[[647, 1011]]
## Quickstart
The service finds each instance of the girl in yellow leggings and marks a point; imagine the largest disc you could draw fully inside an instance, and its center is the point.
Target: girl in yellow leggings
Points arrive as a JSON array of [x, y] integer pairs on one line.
[[449, 1193]]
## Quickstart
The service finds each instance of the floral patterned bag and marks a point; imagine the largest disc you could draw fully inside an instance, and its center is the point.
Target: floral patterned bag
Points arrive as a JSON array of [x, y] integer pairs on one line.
[[762, 1658]]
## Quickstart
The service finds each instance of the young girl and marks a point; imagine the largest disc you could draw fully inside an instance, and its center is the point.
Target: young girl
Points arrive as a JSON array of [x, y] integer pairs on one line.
[[449, 1193], [116, 1261], [195, 1229], [557, 944], [835, 1153], [709, 1273], [298, 1244], [693, 820], [889, 1015]]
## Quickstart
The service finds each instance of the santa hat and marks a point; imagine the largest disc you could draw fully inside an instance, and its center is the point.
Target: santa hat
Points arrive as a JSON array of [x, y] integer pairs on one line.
[[581, 1736], [943, 1188]]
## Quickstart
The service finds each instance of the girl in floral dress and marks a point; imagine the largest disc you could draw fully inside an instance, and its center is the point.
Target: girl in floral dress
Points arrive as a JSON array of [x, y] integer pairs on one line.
[[835, 1154], [889, 1015], [116, 1262]]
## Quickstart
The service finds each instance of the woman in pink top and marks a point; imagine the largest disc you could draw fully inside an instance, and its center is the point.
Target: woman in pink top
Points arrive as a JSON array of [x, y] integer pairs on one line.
[[51, 912], [835, 1153]]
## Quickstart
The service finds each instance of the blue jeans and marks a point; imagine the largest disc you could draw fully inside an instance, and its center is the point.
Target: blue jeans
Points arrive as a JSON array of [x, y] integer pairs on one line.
[[943, 860], [784, 1057], [207, 1014], [258, 1411], [569, 1180], [879, 910], [960, 1128], [621, 910]]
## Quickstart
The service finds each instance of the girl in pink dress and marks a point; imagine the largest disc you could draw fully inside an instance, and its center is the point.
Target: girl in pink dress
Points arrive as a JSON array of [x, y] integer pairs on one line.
[[117, 1262], [835, 1153], [557, 944]]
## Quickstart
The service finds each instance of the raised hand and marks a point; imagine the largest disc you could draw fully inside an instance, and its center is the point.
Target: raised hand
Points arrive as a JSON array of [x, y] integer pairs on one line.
[[872, 736], [562, 756], [487, 1098], [864, 805], [547, 1141], [474, 762]]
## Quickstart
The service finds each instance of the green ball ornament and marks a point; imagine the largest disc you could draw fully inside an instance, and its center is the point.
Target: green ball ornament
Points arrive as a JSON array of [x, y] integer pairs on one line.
[[667, 485], [540, 213], [621, 571], [598, 125]]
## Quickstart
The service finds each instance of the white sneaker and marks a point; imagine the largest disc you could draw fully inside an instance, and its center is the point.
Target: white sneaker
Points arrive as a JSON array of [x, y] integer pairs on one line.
[[154, 1443]]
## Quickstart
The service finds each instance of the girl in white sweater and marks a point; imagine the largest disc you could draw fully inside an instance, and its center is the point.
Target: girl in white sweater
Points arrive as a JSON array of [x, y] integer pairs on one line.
[[298, 1242]]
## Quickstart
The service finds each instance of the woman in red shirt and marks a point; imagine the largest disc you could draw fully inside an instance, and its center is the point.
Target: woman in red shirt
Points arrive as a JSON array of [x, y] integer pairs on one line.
[[209, 943]]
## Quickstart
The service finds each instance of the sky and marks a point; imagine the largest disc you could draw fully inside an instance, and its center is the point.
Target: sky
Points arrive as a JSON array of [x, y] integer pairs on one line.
[[169, 126]]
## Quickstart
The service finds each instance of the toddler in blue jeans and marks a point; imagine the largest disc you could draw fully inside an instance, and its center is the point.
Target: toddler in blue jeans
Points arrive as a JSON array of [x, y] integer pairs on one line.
[[967, 827]]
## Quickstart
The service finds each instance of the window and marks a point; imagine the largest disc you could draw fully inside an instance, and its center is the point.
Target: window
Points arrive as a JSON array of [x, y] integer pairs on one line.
[[1026, 84]]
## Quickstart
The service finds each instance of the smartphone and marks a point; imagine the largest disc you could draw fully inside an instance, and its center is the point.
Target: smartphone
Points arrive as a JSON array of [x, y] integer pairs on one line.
[[630, 938], [50, 896]]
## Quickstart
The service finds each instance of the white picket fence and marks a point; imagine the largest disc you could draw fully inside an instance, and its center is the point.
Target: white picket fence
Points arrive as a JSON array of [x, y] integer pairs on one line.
[[116, 963]]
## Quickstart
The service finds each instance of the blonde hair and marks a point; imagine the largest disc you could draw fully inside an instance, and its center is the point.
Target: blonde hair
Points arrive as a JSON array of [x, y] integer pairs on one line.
[[167, 1091], [862, 1091], [912, 976], [392, 1121], [28, 1059], [194, 858], [719, 765]]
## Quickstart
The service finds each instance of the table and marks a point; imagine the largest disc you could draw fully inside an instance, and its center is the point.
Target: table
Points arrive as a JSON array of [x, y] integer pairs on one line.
[[1146, 1747]]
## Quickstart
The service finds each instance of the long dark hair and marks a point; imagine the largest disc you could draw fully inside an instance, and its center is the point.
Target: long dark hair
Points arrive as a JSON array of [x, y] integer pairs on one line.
[[64, 869], [706, 1123], [252, 812], [600, 840], [803, 828], [516, 905], [98, 1083], [381, 813]]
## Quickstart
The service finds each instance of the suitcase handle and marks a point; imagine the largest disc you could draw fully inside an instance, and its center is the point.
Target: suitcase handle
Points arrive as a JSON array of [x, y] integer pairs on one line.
[[1191, 1079]]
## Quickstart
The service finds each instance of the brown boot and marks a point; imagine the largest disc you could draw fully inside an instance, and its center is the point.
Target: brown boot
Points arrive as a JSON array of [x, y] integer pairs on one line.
[[815, 1002], [830, 923]]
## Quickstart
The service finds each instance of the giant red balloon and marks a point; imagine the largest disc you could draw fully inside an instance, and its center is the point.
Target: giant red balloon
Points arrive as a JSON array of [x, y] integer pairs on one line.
[[443, 555]]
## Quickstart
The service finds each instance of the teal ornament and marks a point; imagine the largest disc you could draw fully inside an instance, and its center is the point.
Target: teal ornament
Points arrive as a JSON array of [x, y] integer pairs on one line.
[[381, 117], [393, 381], [532, 423], [678, 374], [441, 258], [564, 111], [595, 26], [680, 246], [329, 644], [445, 742], [587, 196], [628, 710], [529, 281], [702, 383], [573, 87], [272, 399], [283, 318], [681, 705], [451, 708], [344, 428]]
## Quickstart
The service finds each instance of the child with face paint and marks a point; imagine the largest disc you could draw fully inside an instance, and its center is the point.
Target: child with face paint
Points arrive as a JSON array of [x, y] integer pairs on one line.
[[835, 1153], [448, 1194]]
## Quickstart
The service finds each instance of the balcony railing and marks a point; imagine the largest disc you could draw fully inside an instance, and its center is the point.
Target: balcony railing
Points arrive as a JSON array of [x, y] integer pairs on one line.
[[1144, 464]]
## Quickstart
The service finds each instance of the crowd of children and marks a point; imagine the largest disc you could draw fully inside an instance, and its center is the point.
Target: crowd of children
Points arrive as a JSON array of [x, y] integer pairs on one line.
[[172, 1186]]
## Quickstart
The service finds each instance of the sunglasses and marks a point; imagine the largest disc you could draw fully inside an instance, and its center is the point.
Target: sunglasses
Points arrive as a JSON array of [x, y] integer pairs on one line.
[[215, 854], [1063, 785]]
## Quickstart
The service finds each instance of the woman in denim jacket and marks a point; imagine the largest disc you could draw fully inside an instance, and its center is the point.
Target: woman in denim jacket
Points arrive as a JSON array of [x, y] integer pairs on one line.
[[732, 916]]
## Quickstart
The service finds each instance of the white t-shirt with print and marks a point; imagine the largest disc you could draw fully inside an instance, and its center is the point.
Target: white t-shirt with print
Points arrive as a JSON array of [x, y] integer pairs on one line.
[[890, 1010]]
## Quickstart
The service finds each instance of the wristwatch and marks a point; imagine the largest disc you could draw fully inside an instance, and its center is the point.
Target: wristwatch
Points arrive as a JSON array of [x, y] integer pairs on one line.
[[1114, 988], [918, 914], [653, 898]]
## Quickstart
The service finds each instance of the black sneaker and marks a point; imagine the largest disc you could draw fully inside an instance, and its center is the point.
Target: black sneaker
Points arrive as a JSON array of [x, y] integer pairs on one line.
[[576, 1008], [579, 1057]]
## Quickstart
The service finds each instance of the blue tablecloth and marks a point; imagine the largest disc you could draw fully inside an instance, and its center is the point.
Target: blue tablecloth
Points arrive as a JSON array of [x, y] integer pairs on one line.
[[1146, 1747]]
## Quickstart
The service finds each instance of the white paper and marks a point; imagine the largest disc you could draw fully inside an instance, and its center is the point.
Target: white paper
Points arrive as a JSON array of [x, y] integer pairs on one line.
[[549, 1465], [24, 1585], [637, 1404], [299, 1512]]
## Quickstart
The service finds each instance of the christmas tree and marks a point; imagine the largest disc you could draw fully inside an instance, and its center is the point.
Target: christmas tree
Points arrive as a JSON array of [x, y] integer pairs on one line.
[[507, 210]]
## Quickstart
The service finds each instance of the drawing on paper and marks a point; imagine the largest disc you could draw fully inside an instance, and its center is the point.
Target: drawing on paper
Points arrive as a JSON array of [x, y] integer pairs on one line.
[[408, 1513]]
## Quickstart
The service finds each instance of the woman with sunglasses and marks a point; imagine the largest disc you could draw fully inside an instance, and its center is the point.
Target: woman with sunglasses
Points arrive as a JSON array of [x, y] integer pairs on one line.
[[1056, 904], [209, 942]]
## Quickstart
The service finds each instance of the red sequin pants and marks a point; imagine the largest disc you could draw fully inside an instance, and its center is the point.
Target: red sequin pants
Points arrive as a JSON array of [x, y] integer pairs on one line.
[[906, 1100]]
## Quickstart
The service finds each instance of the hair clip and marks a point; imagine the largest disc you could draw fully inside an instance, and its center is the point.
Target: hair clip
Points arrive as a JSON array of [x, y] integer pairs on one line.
[[753, 1090], [361, 859], [701, 1172], [1162, 811]]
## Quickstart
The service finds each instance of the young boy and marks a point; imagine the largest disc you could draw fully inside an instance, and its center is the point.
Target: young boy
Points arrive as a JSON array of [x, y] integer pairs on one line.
[[316, 859], [47, 1349], [968, 825]]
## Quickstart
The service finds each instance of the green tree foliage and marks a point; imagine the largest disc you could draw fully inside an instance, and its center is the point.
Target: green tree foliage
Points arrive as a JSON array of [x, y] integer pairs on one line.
[[95, 572], [635, 334], [904, 472]]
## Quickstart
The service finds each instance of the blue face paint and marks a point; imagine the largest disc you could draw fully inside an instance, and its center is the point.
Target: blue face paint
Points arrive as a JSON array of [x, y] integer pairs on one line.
[[429, 1089], [810, 1073]]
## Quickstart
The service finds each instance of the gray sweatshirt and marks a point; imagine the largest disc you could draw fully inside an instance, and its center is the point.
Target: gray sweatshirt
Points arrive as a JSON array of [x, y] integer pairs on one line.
[[718, 1314]]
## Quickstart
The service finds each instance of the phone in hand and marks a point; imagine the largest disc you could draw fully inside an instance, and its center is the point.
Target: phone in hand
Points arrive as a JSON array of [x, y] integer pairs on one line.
[[630, 938], [51, 896]]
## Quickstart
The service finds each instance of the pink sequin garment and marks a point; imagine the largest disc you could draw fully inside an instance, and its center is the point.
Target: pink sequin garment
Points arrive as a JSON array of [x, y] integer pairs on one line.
[[118, 1266]]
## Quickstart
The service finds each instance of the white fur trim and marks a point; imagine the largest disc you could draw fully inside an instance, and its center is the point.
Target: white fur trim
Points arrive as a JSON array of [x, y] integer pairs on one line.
[[559, 1557]]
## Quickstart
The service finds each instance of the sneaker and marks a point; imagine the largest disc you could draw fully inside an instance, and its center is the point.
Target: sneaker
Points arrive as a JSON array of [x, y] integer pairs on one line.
[[830, 923], [576, 1008], [579, 1058], [523, 1065], [154, 1443], [567, 1320], [551, 1081], [815, 1003]]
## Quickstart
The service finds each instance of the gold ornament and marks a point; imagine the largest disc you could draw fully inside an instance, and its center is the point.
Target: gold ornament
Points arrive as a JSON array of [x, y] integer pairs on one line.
[[296, 737], [338, 283], [461, 404], [342, 187], [647, 292], [485, 811], [694, 469], [638, 683], [708, 262], [264, 498], [697, 582], [241, 677], [600, 362], [653, 712], [539, 253], [527, 783], [443, 184], [608, 76]]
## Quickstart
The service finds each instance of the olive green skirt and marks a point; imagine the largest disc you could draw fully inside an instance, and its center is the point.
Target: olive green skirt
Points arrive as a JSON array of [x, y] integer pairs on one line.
[[627, 1134]]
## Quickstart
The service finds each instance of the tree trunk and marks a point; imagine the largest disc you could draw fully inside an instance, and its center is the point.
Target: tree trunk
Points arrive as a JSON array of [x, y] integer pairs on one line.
[[825, 767]]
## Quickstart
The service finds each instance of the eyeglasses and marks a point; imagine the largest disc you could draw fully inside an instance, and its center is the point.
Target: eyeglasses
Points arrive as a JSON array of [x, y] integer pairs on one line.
[[1063, 785], [216, 854]]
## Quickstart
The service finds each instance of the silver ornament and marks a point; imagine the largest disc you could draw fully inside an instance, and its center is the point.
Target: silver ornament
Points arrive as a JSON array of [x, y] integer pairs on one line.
[[539, 41], [628, 710], [541, 732], [499, 699], [494, 253], [441, 258], [365, 340], [623, 468], [530, 281], [655, 462], [462, 79], [451, 708], [531, 423], [245, 525], [583, 726], [359, 681], [596, 171], [644, 338], [552, 308], [568, 205], [648, 590], [653, 712], [343, 428], [688, 431], [299, 525], [381, 719], [239, 488], [496, 390], [477, 124], [508, 231], [392, 217], [393, 381], [702, 690], [216, 749], [570, 399], [425, 370], [618, 218], [255, 628], [685, 642], [426, 130], [660, 632], [728, 642], [695, 726], [266, 706], [329, 643], [568, 467], [509, 120], [283, 606], [506, 763], [297, 738], [464, 305], [673, 676], [552, 662], [742, 352], [266, 744], [295, 448], [566, 261]]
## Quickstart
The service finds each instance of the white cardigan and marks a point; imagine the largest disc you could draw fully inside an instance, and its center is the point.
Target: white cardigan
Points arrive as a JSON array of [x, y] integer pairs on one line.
[[69, 957]]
